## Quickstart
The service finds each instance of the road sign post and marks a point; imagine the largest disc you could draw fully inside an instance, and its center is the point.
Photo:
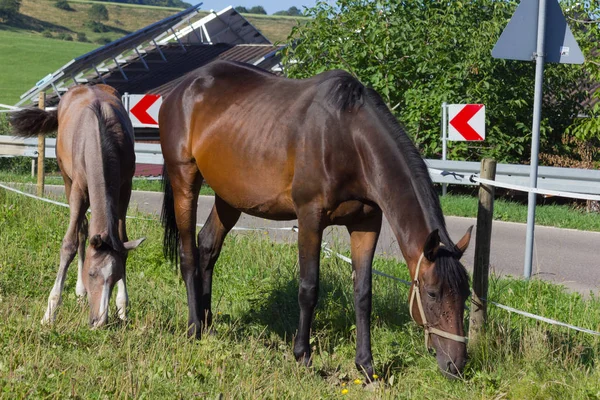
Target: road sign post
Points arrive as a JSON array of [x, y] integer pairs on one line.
[[526, 29]]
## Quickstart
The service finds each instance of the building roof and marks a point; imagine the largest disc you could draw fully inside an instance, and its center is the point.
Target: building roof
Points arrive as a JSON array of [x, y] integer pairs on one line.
[[162, 77]]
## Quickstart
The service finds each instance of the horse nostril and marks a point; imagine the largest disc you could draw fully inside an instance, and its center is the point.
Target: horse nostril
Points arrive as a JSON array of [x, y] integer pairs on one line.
[[451, 368]]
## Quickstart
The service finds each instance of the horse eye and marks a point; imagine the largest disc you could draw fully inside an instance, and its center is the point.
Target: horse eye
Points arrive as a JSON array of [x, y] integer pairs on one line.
[[432, 295]]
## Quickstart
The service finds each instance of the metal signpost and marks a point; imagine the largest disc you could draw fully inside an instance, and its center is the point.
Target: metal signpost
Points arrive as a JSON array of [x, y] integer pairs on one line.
[[461, 122], [526, 38]]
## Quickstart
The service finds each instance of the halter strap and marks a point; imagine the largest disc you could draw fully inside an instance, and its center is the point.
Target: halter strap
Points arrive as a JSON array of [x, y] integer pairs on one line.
[[428, 329]]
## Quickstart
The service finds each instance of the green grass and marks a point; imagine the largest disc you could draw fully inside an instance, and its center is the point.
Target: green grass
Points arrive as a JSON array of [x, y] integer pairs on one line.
[[560, 216], [255, 301], [27, 58]]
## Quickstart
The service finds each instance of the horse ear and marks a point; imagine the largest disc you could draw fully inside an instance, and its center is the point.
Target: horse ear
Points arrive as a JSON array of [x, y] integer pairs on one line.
[[463, 243], [432, 244], [133, 244], [96, 241]]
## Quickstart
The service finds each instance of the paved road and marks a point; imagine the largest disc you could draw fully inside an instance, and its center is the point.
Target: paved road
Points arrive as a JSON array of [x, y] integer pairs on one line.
[[565, 256]]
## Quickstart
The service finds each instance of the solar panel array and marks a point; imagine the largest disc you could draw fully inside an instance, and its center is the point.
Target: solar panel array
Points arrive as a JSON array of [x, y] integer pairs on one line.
[[109, 57]]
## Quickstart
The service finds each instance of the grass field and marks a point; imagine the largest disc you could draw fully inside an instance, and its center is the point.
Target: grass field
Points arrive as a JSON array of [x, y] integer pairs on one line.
[[27, 58], [255, 294]]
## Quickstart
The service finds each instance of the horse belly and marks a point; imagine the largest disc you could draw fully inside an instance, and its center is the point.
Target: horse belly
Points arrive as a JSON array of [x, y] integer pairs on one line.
[[259, 191]]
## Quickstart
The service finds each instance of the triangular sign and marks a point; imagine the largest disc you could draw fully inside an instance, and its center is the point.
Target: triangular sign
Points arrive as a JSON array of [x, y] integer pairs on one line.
[[519, 39]]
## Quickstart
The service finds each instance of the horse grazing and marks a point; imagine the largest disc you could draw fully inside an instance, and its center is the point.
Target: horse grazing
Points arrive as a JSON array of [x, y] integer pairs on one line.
[[327, 151], [94, 149]]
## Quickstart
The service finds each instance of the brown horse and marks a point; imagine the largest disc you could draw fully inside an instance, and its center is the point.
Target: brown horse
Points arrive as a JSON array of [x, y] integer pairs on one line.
[[94, 149], [324, 150]]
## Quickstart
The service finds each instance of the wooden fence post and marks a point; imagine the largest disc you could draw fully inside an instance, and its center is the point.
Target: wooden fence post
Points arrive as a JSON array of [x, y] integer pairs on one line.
[[41, 150], [481, 266]]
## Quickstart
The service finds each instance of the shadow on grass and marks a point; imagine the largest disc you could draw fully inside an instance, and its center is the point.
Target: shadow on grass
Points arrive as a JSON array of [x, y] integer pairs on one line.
[[278, 309], [33, 24]]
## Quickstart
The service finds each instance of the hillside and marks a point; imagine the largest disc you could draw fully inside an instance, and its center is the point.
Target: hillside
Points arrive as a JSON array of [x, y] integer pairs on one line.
[[31, 47]]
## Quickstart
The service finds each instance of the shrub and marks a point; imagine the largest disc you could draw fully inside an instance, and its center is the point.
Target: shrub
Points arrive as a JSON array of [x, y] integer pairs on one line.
[[102, 40], [9, 9], [47, 34], [96, 26], [98, 12], [63, 5], [64, 36], [82, 37]]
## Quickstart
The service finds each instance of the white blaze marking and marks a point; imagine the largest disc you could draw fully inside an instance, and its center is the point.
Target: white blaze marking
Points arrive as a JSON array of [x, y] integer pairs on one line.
[[103, 309]]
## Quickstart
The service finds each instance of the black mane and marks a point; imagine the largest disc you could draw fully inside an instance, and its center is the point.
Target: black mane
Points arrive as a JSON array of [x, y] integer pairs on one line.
[[108, 128], [450, 271], [346, 93]]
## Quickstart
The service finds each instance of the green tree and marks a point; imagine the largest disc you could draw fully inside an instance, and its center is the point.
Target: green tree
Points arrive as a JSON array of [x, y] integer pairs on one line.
[[421, 53], [292, 11], [63, 5], [257, 10], [241, 9], [97, 13], [584, 134], [9, 9]]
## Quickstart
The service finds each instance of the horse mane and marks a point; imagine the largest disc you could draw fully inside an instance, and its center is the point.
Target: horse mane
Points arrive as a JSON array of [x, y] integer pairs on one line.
[[108, 129], [347, 93], [453, 273]]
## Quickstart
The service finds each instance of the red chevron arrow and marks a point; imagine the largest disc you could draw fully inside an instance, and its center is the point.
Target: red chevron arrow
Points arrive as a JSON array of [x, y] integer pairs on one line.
[[460, 122], [140, 110]]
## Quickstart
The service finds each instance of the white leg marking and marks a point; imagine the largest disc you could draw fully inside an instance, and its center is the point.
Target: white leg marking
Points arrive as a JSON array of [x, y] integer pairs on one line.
[[80, 287], [122, 299], [53, 302]]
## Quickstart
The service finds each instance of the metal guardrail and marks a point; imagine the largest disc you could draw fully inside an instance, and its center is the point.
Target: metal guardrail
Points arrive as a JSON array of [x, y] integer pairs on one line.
[[11, 146], [551, 178], [450, 172]]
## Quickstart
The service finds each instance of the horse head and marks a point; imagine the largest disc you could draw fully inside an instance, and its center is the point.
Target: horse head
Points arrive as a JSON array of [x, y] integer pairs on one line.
[[437, 301], [103, 267]]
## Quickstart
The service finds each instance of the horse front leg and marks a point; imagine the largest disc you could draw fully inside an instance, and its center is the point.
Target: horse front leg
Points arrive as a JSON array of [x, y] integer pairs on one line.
[[68, 249], [222, 218], [363, 241], [309, 249]]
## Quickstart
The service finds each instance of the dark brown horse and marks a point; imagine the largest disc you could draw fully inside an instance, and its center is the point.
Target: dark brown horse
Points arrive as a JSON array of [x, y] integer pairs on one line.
[[94, 149], [324, 150]]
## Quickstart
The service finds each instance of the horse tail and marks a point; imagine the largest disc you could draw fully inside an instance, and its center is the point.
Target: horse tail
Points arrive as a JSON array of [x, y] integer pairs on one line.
[[30, 122], [167, 217]]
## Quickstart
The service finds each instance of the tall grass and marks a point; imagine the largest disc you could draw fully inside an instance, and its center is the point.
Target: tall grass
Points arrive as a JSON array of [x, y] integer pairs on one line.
[[256, 312]]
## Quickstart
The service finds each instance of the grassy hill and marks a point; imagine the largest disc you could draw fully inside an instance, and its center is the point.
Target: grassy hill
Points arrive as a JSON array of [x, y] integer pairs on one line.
[[45, 37]]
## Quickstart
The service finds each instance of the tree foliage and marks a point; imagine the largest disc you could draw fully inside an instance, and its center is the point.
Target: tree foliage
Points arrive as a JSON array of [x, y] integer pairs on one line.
[[98, 12], [584, 134], [421, 53], [292, 11], [159, 3], [257, 10], [9, 9]]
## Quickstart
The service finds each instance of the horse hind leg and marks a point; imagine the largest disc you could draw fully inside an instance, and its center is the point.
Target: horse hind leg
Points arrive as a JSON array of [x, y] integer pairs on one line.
[[67, 253], [122, 298], [222, 218], [80, 290], [185, 182]]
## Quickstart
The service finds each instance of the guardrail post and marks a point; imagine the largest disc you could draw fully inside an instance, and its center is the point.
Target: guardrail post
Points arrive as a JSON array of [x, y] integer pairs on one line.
[[41, 150], [481, 266]]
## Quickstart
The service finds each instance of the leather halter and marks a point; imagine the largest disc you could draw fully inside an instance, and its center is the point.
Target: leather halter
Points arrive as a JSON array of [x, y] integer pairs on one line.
[[428, 328]]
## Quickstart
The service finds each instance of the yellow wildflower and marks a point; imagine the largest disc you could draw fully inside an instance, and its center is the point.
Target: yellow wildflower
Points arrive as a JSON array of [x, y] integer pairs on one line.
[[357, 381], [344, 391]]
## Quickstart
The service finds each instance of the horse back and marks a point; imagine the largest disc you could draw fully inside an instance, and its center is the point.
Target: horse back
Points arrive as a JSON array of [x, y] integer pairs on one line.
[[265, 136], [83, 114]]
